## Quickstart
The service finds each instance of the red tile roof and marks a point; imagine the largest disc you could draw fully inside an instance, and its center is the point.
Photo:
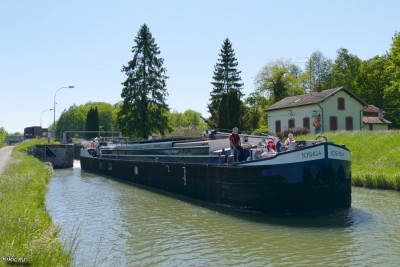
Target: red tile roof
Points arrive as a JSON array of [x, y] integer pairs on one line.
[[375, 120]]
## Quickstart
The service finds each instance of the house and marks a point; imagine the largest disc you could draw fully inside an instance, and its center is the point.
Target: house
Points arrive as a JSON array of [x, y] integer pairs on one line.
[[328, 110], [373, 119]]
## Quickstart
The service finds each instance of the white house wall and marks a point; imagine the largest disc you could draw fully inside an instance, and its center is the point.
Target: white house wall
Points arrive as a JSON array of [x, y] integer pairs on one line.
[[296, 113], [353, 108], [376, 127]]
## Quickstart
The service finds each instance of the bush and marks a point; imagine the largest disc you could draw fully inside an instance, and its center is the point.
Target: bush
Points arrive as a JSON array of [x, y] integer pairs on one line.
[[294, 131], [261, 130]]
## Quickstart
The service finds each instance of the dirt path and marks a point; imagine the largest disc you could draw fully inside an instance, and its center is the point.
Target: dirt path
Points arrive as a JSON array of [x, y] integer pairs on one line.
[[5, 154]]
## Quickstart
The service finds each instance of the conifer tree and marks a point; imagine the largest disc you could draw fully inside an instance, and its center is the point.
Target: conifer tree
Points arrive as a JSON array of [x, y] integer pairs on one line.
[[144, 92], [92, 121], [226, 79]]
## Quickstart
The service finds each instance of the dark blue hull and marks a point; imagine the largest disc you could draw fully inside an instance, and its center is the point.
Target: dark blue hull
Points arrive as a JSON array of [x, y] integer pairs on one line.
[[309, 186]]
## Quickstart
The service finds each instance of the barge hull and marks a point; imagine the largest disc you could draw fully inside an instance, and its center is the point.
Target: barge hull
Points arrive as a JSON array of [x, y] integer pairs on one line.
[[319, 185]]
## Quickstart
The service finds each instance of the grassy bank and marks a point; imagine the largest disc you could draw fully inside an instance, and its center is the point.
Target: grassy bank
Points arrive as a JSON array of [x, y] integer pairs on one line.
[[375, 157], [26, 230]]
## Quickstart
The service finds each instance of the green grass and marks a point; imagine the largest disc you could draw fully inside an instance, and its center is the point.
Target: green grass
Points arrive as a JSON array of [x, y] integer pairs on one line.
[[31, 142], [26, 229], [375, 157]]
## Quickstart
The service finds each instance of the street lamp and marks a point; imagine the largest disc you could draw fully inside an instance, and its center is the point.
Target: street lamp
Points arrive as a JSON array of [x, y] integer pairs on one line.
[[54, 119], [50, 109]]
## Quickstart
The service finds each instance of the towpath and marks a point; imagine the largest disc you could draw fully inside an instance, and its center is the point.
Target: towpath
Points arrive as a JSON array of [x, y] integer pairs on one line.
[[5, 154]]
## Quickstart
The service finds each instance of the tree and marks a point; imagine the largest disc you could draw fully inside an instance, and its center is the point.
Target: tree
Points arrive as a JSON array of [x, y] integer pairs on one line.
[[3, 135], [373, 80], [74, 119], [346, 70], [144, 92], [318, 68], [256, 103], [188, 119], [226, 79], [279, 79], [92, 121], [392, 92], [230, 110]]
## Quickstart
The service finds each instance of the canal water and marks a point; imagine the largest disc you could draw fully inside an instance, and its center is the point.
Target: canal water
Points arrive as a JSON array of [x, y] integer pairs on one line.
[[110, 223]]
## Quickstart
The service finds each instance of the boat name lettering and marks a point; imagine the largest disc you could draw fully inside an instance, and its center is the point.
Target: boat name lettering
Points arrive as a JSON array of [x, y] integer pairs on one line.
[[311, 154], [336, 153]]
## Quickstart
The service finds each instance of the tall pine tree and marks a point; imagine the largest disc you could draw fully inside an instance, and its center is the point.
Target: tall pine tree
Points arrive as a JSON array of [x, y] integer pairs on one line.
[[144, 92], [92, 122], [226, 105]]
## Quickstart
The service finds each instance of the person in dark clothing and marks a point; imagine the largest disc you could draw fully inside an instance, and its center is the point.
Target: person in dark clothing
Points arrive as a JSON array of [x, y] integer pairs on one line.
[[236, 144]]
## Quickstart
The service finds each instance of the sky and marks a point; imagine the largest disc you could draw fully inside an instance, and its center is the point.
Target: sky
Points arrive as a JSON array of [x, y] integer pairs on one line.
[[48, 45]]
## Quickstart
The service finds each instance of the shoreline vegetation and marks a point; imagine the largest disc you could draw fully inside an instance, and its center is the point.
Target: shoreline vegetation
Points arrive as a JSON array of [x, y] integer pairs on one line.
[[28, 236]]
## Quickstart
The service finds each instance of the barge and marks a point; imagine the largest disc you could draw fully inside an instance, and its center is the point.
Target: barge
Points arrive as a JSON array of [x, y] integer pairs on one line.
[[306, 176]]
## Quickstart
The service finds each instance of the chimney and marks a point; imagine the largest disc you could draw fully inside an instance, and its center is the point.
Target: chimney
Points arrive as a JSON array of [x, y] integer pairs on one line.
[[319, 88], [380, 114]]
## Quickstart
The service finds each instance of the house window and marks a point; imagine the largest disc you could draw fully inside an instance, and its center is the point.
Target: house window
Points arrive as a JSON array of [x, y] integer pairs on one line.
[[371, 127], [333, 123], [306, 122], [278, 126], [349, 123], [291, 123], [340, 103]]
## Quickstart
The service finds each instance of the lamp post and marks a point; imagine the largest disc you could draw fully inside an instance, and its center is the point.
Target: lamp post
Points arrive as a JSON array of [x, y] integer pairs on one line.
[[50, 109], [54, 108]]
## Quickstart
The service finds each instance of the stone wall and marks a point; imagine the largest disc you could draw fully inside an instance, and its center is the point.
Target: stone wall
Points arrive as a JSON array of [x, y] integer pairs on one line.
[[60, 156]]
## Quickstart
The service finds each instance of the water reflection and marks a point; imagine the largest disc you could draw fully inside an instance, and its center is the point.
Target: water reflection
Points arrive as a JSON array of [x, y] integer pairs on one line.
[[123, 225]]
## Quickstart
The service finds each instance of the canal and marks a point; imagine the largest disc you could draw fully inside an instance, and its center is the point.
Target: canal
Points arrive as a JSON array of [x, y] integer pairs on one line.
[[111, 223]]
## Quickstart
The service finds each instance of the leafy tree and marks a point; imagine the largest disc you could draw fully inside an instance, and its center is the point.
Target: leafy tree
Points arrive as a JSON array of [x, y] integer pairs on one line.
[[279, 79], [372, 80], [192, 118], [3, 135], [92, 121], [255, 105], [188, 119], [346, 70], [74, 119], [176, 119], [226, 79], [318, 68], [144, 110], [392, 92]]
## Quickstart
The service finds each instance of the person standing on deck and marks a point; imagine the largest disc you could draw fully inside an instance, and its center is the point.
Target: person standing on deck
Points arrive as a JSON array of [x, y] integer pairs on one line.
[[236, 144], [289, 140]]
